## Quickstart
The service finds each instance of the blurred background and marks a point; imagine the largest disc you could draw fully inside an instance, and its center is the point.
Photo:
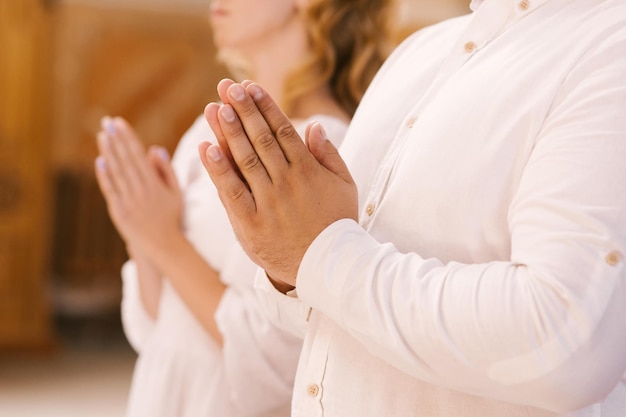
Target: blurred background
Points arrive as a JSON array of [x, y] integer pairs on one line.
[[63, 65]]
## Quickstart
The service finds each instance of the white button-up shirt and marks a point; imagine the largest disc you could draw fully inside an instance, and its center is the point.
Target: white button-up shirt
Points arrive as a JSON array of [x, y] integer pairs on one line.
[[486, 275]]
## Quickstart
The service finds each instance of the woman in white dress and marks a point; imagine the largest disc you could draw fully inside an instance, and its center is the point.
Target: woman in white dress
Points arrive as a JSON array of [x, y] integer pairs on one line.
[[189, 307]]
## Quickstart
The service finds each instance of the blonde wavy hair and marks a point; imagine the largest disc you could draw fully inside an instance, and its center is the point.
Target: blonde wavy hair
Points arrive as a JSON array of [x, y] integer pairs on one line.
[[349, 41]]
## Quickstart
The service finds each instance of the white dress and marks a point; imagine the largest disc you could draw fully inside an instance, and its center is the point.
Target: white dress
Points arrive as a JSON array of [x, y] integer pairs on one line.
[[181, 371]]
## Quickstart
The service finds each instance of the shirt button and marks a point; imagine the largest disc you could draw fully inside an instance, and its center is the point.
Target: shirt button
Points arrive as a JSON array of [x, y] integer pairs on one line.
[[524, 5], [313, 390], [612, 258], [369, 209], [469, 47], [411, 122]]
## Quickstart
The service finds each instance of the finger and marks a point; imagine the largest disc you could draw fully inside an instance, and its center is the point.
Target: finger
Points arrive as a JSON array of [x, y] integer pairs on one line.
[[286, 135], [104, 182], [233, 192], [246, 158], [325, 152], [161, 161], [210, 114], [222, 88], [257, 130], [130, 148], [118, 182], [122, 167]]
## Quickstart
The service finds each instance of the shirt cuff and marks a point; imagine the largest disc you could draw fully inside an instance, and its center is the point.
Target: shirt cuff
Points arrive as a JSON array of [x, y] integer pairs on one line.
[[286, 311], [329, 263], [137, 323]]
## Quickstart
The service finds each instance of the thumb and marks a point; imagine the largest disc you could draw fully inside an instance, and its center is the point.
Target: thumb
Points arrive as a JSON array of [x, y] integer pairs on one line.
[[325, 152]]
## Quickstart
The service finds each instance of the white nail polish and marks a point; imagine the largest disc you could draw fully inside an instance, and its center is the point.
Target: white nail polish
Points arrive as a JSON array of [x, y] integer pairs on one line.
[[108, 125], [163, 154], [101, 163]]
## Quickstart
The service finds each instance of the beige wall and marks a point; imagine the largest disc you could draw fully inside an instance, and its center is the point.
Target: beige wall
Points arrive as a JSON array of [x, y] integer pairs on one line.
[[179, 6]]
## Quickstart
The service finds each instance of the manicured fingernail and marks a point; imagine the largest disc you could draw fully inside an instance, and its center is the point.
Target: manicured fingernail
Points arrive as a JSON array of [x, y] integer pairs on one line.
[[237, 92], [227, 113], [108, 125], [163, 154], [101, 163], [255, 91], [214, 153]]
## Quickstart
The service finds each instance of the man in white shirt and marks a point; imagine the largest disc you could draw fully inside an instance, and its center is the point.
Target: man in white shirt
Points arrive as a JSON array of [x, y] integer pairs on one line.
[[479, 268]]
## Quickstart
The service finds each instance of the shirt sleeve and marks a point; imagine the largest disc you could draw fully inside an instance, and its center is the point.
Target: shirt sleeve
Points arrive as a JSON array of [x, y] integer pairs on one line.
[[137, 324], [531, 330], [285, 310], [259, 358]]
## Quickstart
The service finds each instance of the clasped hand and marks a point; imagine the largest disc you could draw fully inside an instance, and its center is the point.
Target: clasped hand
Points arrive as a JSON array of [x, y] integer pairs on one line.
[[280, 192], [140, 188]]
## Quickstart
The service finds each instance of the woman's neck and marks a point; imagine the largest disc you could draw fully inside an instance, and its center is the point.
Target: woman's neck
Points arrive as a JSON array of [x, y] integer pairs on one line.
[[272, 74], [319, 101], [273, 61]]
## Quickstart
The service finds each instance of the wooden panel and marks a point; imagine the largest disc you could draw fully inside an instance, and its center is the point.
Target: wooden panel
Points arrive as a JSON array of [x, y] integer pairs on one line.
[[24, 175], [157, 70]]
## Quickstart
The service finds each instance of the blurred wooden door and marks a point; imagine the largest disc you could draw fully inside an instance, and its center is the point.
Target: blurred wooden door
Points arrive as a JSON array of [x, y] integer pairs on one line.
[[24, 173], [157, 68]]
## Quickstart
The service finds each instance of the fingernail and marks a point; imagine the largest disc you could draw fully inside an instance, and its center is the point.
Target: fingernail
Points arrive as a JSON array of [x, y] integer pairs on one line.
[[255, 91], [108, 125], [227, 113], [237, 92], [163, 154], [322, 131], [214, 153], [101, 163]]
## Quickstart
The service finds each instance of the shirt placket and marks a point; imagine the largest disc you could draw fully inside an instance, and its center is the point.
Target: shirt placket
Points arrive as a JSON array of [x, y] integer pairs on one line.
[[312, 384], [489, 21]]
